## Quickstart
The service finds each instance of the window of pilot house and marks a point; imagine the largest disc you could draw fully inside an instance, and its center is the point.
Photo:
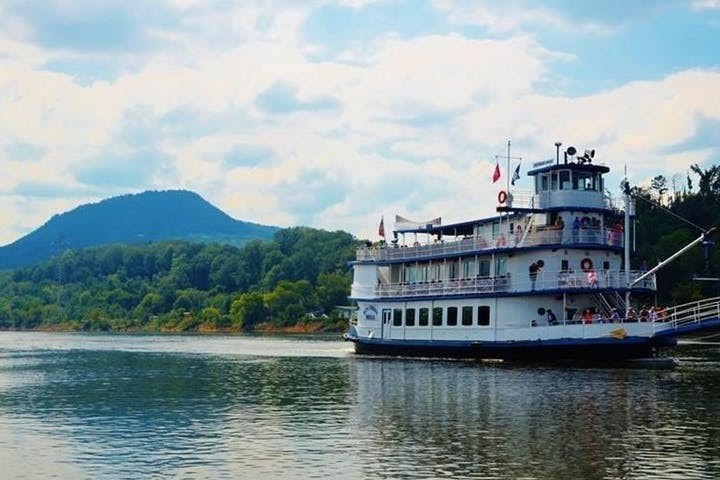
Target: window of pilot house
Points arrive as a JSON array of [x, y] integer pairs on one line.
[[452, 316], [397, 317], [484, 316], [410, 317], [423, 318], [565, 180], [467, 313], [437, 316], [554, 181], [495, 229], [543, 182]]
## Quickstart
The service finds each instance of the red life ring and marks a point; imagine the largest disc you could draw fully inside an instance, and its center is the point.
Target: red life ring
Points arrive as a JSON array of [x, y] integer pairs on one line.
[[502, 197], [586, 265]]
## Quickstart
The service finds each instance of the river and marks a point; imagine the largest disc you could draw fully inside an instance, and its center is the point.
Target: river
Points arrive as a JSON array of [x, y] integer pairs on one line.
[[84, 406]]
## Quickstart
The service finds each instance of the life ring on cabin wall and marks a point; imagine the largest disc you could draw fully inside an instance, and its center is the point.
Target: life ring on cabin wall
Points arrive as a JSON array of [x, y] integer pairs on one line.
[[586, 265], [502, 197]]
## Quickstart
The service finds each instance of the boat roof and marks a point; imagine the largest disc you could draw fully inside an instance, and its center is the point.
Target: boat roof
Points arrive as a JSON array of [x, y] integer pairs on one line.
[[461, 228], [582, 167]]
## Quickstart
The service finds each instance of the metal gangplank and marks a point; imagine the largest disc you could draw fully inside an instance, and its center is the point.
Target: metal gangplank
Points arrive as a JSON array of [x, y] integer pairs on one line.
[[691, 317]]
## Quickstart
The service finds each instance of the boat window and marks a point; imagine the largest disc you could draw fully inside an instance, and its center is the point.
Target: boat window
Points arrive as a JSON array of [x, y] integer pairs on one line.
[[500, 266], [412, 274], [484, 267], [397, 317], [544, 182], [564, 265], [495, 229], [584, 181], [564, 177], [554, 181], [452, 316], [467, 316], [468, 268], [484, 316], [435, 272], [410, 317], [451, 269], [437, 318], [423, 318], [606, 265], [424, 273]]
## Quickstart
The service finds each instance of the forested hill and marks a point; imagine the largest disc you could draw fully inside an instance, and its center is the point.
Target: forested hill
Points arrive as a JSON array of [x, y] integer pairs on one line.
[[301, 275], [137, 218]]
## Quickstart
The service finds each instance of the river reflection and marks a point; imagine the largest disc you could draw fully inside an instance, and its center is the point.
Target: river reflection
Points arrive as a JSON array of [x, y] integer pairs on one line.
[[466, 420], [236, 407]]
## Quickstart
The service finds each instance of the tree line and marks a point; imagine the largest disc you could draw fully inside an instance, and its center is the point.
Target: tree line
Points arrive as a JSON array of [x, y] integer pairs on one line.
[[298, 277], [667, 220]]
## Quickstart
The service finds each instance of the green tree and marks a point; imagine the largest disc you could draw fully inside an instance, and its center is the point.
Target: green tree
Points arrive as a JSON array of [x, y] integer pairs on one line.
[[248, 311]]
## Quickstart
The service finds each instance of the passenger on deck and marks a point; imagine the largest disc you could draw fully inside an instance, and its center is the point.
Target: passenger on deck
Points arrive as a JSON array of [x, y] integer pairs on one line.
[[614, 316], [632, 315], [587, 316], [644, 315], [551, 317], [592, 279], [576, 229]]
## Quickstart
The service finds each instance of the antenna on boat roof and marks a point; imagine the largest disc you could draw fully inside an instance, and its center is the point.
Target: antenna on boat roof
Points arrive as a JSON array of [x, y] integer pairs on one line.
[[557, 153]]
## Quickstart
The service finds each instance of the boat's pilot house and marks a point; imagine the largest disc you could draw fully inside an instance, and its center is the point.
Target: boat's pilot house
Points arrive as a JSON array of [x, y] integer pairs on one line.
[[568, 179], [569, 184]]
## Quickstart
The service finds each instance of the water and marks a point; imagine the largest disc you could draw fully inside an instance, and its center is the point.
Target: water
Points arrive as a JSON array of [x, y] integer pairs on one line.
[[76, 406]]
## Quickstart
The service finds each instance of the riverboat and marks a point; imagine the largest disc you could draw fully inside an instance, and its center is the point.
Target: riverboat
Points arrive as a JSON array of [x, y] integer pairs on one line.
[[548, 277]]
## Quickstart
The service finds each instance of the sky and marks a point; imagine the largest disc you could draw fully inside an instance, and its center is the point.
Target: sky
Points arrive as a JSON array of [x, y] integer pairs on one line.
[[333, 114]]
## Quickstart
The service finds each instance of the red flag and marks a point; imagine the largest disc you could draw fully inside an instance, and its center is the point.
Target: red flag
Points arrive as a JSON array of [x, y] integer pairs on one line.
[[496, 173], [381, 228]]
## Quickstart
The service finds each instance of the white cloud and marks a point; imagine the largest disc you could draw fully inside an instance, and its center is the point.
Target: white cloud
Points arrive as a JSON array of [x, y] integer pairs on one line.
[[416, 131]]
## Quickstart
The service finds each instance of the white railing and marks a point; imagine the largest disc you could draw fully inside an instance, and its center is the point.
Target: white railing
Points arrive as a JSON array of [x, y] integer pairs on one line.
[[542, 235], [566, 281], [692, 313], [530, 200]]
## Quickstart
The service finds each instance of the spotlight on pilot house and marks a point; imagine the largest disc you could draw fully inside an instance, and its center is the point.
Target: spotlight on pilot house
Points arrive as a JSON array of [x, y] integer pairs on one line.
[[570, 152]]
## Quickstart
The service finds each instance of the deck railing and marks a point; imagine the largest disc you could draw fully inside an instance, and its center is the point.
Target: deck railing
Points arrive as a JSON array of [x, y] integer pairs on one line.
[[692, 313], [507, 284], [543, 235]]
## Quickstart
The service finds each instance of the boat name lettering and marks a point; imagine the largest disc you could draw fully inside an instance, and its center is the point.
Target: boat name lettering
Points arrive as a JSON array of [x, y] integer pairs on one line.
[[543, 163]]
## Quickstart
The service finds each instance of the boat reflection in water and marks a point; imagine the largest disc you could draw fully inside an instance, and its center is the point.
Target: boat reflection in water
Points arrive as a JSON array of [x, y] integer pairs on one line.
[[456, 419]]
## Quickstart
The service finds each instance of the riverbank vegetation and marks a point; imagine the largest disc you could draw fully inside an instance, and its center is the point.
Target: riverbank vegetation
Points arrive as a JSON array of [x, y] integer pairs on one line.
[[294, 281]]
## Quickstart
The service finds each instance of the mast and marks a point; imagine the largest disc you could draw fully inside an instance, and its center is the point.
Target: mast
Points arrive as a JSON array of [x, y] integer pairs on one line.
[[626, 231]]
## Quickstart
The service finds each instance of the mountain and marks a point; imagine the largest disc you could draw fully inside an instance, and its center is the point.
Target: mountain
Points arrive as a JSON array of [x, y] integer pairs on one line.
[[136, 218]]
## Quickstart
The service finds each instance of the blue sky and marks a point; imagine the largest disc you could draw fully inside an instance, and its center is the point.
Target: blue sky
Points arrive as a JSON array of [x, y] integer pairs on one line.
[[333, 113]]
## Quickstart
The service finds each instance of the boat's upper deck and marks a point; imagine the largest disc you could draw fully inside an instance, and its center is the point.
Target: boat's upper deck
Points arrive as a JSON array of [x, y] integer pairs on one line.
[[586, 236]]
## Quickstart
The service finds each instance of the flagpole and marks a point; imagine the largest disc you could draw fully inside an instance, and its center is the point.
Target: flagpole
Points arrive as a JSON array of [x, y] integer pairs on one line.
[[507, 171]]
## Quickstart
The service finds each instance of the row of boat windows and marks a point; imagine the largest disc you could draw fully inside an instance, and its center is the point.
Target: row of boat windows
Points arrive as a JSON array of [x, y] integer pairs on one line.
[[465, 268], [567, 180], [439, 316]]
